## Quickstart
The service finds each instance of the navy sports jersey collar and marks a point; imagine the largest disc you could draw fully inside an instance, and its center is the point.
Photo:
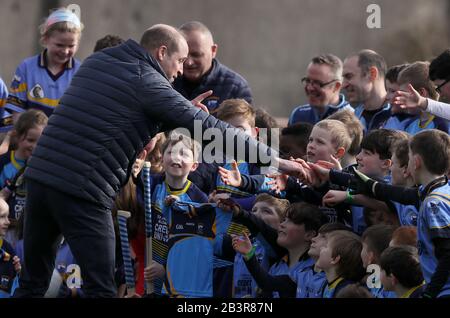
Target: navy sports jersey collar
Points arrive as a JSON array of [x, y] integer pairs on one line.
[[43, 63], [437, 183]]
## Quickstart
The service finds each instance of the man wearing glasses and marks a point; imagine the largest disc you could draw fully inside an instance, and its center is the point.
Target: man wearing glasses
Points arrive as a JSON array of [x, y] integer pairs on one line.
[[440, 75], [364, 85], [322, 85]]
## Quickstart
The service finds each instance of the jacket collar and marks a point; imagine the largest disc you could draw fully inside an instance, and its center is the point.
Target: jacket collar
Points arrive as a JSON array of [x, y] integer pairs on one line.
[[143, 54]]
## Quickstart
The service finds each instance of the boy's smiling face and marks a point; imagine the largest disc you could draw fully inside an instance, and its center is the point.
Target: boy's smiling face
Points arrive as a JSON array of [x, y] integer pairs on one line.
[[178, 160], [370, 163]]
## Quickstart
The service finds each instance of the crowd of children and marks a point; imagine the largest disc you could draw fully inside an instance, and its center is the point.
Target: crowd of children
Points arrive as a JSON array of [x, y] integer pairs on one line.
[[370, 217]]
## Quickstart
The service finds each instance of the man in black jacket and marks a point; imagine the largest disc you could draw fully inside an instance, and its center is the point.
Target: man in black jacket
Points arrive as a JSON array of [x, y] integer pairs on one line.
[[119, 99], [203, 72]]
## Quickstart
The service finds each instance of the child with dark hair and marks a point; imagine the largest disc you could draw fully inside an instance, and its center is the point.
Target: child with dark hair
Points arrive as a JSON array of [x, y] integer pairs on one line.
[[294, 140], [107, 41], [354, 291], [429, 163], [295, 234], [401, 272], [375, 240], [341, 261]]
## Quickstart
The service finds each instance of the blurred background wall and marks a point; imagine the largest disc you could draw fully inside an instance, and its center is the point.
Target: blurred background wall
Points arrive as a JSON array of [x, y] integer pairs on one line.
[[270, 42]]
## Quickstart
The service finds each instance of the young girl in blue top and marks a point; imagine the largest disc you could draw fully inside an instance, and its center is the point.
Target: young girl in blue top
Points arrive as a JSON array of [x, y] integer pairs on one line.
[[41, 80]]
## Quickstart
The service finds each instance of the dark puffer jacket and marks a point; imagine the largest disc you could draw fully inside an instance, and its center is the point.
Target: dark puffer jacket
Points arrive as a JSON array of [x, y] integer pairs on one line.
[[116, 102], [224, 82]]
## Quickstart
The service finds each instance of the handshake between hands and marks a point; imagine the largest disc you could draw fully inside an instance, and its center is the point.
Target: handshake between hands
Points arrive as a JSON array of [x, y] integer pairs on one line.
[[312, 174]]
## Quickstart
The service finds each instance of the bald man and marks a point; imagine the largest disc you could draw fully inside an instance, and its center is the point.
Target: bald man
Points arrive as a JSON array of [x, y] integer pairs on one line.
[[203, 72], [119, 99]]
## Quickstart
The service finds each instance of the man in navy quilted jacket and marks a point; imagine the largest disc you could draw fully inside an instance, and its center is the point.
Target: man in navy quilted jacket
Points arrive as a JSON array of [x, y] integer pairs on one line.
[[203, 72], [118, 100]]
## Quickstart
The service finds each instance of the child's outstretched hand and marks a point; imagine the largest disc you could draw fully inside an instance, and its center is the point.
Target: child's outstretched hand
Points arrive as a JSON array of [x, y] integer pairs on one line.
[[242, 243], [215, 197], [231, 177], [227, 204], [171, 199], [334, 197], [279, 182]]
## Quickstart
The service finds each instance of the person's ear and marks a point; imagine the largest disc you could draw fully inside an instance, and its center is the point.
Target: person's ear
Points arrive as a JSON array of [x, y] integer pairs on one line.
[[423, 92], [214, 49], [255, 132], [337, 86], [373, 73], [194, 166], [336, 260], [161, 53], [340, 152], [387, 163], [417, 162]]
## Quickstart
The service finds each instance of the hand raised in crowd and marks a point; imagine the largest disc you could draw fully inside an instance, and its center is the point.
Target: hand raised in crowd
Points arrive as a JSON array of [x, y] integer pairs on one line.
[[334, 197], [231, 177], [242, 243], [321, 171], [410, 99], [297, 168], [197, 102], [278, 182]]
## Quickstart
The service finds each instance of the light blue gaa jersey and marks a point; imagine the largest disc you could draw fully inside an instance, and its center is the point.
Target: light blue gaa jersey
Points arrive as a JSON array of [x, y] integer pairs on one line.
[[186, 231], [161, 214], [407, 214], [432, 123], [308, 113], [310, 284], [282, 268], [11, 168], [244, 284], [6, 121], [381, 293], [34, 87], [433, 222]]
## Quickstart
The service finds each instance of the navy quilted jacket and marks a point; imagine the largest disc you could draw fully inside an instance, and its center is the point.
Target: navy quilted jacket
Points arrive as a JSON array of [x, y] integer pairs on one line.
[[116, 102], [224, 82]]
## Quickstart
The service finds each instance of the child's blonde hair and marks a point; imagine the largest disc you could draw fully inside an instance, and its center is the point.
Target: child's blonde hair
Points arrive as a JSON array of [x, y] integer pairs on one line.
[[231, 108], [354, 128], [339, 133], [49, 26], [175, 137]]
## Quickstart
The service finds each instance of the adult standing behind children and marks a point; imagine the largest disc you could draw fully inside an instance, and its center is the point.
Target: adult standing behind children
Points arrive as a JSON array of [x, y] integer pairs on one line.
[[322, 84], [119, 99], [203, 72], [364, 74], [41, 80]]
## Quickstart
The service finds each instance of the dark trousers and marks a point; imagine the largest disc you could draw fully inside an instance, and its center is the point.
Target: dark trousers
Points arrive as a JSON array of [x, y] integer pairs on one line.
[[88, 229]]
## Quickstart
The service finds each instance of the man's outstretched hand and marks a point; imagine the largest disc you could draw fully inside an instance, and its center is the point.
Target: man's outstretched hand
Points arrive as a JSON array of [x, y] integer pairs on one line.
[[197, 102]]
